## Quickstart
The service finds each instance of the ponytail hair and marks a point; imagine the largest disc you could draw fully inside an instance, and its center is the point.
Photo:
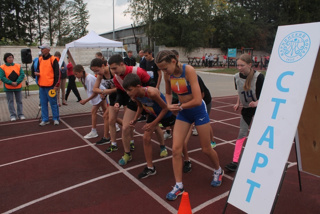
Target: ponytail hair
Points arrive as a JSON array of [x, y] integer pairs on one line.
[[247, 59], [79, 69]]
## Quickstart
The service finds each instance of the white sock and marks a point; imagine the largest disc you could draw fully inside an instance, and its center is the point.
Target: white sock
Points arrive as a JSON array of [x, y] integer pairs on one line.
[[114, 143], [217, 170], [94, 130], [180, 185]]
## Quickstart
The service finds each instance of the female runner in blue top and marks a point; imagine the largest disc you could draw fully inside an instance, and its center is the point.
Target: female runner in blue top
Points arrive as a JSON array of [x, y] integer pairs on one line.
[[182, 79]]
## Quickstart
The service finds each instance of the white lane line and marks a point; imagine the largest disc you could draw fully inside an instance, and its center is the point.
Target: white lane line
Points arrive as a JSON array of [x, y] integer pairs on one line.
[[60, 192], [227, 112], [42, 155], [120, 170], [209, 202], [35, 134]]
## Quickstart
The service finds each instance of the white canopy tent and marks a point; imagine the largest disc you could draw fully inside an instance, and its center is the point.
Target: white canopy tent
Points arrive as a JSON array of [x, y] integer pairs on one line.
[[91, 40]]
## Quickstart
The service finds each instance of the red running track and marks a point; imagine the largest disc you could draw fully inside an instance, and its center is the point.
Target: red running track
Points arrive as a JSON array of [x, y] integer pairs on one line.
[[53, 169]]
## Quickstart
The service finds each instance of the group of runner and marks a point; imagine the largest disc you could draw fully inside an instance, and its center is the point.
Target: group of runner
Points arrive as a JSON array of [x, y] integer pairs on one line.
[[136, 90]]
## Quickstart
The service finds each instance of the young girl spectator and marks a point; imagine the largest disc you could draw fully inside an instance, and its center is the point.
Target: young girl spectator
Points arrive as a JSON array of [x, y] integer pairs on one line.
[[11, 74], [88, 81], [71, 82], [182, 79], [248, 83]]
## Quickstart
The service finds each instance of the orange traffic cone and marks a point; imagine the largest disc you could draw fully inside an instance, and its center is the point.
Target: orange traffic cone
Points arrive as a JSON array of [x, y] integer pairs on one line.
[[185, 207]]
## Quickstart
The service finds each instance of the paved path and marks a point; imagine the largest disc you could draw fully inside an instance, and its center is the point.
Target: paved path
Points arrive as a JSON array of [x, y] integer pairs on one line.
[[218, 84]]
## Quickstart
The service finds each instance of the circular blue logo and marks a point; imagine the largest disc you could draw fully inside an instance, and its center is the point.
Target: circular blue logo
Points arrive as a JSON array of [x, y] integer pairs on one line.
[[294, 46]]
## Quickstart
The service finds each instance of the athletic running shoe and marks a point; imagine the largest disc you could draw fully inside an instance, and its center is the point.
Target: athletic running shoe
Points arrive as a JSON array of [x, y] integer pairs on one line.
[[103, 141], [22, 117], [112, 148], [233, 166], [213, 144], [132, 147], [92, 134], [187, 166], [56, 122], [125, 159], [13, 119], [171, 196], [167, 136], [117, 127], [163, 152], [217, 178], [147, 172], [43, 123], [194, 132]]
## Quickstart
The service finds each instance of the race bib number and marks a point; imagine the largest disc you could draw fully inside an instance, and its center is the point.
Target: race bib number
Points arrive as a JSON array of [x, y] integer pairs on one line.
[[179, 85]]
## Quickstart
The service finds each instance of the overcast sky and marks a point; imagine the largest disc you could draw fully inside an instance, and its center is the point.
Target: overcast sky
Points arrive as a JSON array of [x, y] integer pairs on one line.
[[101, 15]]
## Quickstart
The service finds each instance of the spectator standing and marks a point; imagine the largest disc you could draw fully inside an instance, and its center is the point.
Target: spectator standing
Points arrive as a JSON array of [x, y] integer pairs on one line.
[[49, 82], [34, 67], [142, 63], [152, 69], [224, 63], [63, 80], [210, 60], [71, 82], [12, 75], [130, 60]]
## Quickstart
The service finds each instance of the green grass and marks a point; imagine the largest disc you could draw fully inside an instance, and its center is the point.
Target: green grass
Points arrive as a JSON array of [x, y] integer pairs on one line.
[[36, 87]]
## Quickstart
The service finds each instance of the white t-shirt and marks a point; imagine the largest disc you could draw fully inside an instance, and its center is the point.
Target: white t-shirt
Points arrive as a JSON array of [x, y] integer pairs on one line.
[[90, 80]]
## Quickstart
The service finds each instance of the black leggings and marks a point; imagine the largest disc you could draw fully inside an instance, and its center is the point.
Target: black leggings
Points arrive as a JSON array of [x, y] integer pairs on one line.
[[72, 86]]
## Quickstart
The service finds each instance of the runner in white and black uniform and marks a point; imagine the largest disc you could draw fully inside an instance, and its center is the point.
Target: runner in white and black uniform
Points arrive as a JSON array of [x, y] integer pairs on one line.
[[248, 83], [105, 78]]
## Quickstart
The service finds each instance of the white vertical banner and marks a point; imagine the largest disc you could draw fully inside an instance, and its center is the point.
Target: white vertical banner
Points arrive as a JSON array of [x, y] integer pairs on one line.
[[276, 120]]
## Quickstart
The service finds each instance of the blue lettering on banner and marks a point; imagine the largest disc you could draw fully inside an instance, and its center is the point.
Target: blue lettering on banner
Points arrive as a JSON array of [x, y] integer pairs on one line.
[[253, 184], [279, 80], [276, 107], [269, 131], [261, 160]]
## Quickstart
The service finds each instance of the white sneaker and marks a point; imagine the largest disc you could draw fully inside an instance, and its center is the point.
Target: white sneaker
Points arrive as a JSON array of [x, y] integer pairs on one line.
[[56, 122], [167, 136], [43, 123], [194, 132], [117, 127], [13, 119], [22, 117], [92, 134]]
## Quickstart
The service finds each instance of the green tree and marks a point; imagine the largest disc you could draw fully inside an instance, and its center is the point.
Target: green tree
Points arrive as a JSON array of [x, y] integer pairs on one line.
[[184, 23], [78, 19]]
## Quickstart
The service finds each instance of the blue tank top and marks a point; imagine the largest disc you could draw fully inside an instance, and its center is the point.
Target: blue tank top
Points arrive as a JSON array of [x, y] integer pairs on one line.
[[151, 106], [180, 85]]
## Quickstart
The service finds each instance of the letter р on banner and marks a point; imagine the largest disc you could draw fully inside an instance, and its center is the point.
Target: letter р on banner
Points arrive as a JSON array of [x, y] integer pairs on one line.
[[292, 61]]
